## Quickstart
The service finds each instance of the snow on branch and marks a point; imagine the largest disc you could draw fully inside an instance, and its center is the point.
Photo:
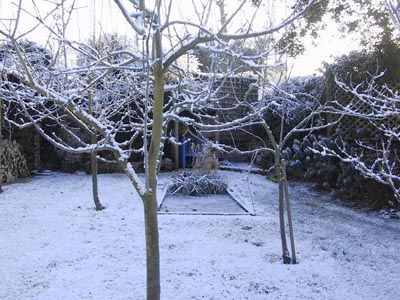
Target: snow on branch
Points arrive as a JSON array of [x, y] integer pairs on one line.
[[135, 20], [376, 156]]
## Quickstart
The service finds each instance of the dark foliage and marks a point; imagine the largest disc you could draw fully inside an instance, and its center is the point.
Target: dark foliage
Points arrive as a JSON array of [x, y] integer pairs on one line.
[[330, 173], [36, 55]]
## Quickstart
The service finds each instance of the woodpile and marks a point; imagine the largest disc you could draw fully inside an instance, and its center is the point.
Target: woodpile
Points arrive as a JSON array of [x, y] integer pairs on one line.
[[12, 162]]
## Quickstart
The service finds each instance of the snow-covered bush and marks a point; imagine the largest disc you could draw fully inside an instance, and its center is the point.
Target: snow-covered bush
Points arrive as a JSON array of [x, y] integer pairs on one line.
[[330, 173], [39, 58], [195, 183], [202, 180], [370, 139], [294, 100], [355, 67]]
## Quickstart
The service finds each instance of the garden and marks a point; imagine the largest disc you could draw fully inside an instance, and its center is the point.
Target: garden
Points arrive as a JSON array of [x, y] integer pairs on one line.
[[160, 153]]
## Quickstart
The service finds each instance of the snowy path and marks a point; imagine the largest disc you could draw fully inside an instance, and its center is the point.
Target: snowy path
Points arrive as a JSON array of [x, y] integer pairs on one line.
[[53, 245]]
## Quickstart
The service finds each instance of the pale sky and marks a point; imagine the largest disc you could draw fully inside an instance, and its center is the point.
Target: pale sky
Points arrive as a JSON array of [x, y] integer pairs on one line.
[[329, 45], [96, 16]]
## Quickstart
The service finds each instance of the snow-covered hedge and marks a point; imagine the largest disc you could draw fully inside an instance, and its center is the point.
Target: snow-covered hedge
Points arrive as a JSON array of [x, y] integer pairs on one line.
[[294, 99], [330, 173]]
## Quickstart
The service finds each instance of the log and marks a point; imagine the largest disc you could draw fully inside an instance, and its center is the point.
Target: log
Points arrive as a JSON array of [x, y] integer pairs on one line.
[[12, 162]]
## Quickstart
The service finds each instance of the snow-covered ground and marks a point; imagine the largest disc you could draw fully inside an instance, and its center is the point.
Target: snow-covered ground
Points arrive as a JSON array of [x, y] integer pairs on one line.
[[53, 245]]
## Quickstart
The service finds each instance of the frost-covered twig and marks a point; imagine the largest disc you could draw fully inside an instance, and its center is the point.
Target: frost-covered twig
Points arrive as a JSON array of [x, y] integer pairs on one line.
[[380, 160]]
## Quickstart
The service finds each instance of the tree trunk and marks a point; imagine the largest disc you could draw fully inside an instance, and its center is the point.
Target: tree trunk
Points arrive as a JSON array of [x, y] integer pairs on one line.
[[289, 212], [95, 190], [93, 162], [150, 197], [222, 20], [285, 252], [36, 151], [152, 246], [176, 147]]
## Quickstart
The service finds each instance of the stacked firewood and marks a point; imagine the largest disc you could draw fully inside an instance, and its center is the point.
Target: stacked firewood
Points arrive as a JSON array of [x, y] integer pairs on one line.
[[12, 162]]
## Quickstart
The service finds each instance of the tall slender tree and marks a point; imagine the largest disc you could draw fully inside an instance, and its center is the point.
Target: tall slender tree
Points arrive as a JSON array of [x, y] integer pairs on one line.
[[136, 86]]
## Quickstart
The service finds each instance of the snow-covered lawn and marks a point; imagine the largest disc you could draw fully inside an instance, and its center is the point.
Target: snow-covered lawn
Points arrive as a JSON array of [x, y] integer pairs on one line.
[[53, 245]]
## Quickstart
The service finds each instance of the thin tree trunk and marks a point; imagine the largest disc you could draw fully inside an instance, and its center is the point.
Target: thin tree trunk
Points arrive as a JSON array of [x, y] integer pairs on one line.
[[93, 162], [278, 166], [152, 246], [285, 252], [36, 151], [222, 15], [95, 190], [289, 213], [150, 198], [176, 146]]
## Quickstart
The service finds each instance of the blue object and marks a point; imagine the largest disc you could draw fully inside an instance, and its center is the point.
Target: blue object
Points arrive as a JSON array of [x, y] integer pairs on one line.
[[190, 147]]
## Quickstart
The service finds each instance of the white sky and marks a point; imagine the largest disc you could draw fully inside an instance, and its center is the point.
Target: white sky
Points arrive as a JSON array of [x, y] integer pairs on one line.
[[96, 16], [329, 45]]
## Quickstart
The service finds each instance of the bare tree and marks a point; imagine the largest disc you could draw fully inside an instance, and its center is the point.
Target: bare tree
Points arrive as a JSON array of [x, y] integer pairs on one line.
[[135, 87], [281, 103]]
